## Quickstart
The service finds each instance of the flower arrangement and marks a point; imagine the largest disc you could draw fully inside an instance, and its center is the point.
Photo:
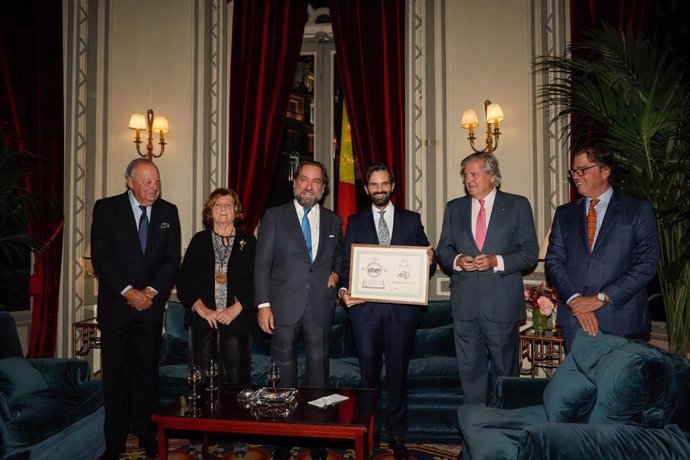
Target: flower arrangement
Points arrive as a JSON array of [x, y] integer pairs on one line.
[[542, 298]]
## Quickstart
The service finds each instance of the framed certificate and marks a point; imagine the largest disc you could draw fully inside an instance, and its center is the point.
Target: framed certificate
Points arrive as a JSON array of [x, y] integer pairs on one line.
[[390, 274]]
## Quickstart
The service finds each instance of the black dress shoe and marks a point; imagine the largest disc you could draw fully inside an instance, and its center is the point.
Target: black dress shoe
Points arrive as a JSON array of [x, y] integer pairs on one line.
[[319, 453], [281, 453], [110, 454], [150, 447], [397, 445]]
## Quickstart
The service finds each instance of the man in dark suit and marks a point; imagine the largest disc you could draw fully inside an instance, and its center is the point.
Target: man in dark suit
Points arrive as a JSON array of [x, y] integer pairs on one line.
[[384, 329], [603, 251], [295, 279], [135, 249], [297, 256], [487, 240]]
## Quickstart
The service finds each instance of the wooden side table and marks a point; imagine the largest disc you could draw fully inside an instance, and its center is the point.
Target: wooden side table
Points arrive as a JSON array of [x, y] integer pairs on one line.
[[542, 351], [85, 337]]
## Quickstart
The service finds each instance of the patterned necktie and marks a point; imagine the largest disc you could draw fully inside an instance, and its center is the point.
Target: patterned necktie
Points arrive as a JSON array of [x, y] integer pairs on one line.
[[480, 231], [592, 222], [143, 228], [306, 230], [384, 233]]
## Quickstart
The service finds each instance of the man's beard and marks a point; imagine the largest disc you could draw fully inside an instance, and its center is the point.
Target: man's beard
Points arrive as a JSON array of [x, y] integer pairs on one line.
[[381, 200], [307, 199]]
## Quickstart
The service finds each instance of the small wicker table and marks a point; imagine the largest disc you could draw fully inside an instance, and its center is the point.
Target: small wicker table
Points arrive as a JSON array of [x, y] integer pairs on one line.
[[540, 351]]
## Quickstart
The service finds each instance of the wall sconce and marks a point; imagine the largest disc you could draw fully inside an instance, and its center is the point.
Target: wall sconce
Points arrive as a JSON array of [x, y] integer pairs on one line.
[[157, 124], [494, 115]]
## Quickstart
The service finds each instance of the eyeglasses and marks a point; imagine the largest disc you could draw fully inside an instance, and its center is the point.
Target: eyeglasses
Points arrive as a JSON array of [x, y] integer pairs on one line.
[[223, 205], [580, 171]]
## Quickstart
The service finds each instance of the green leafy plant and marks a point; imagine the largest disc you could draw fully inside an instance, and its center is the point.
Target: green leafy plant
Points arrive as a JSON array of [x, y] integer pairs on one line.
[[615, 87], [16, 200]]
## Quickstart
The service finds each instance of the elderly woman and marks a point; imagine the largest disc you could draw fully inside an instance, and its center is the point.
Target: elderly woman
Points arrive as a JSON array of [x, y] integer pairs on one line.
[[216, 284]]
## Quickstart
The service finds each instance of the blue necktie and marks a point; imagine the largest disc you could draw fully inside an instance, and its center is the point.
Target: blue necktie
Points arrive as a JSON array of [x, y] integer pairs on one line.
[[306, 230], [143, 229]]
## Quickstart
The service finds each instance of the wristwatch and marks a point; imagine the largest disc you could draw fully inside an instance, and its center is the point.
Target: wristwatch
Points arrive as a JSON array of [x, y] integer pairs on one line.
[[603, 298]]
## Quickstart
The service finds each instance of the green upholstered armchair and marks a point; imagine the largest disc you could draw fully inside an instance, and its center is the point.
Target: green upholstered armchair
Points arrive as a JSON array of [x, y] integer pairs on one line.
[[48, 407], [610, 399]]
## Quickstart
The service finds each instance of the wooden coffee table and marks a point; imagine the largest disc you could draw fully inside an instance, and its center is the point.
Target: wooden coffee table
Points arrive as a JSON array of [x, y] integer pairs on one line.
[[352, 419]]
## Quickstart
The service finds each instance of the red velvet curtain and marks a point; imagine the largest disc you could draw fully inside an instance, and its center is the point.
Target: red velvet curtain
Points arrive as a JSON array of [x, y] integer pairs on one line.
[[370, 45], [31, 108], [266, 44], [586, 14]]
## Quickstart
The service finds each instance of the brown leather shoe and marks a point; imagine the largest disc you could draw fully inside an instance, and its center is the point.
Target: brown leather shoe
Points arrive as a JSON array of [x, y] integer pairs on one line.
[[397, 445]]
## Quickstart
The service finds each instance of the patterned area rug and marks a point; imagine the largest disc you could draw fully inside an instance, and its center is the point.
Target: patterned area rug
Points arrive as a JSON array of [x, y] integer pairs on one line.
[[190, 449]]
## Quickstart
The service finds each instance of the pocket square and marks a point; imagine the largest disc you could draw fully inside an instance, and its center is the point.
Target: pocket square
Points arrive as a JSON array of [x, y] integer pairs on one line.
[[331, 236], [164, 225]]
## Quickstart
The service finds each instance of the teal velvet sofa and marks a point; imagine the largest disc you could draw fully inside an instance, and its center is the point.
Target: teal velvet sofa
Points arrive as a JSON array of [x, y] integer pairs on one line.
[[610, 399], [433, 382], [49, 409]]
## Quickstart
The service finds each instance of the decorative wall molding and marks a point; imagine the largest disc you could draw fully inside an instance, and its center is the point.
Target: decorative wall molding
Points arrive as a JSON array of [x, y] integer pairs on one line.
[[211, 81], [75, 167], [415, 99], [217, 93], [550, 27]]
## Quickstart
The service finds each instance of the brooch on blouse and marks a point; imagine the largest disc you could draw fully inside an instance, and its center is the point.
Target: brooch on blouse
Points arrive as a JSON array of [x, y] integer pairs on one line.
[[242, 244]]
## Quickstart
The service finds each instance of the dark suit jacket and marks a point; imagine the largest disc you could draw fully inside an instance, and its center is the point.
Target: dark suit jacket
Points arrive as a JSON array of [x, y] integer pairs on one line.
[[285, 276], [117, 257], [623, 261], [510, 234], [196, 279], [407, 231]]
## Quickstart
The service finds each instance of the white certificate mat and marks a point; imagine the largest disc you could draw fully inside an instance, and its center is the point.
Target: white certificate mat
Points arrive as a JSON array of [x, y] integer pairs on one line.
[[390, 274]]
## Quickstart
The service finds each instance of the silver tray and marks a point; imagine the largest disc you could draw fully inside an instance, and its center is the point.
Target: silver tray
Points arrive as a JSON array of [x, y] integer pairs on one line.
[[269, 396]]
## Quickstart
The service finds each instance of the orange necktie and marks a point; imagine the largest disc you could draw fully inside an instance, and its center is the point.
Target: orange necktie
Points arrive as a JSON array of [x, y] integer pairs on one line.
[[592, 222]]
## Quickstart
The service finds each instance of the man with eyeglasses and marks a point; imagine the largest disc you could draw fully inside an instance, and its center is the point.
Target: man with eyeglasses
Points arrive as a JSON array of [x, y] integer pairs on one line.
[[603, 251]]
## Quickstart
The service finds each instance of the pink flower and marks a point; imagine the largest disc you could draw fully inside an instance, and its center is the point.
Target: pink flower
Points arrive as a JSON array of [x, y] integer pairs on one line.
[[541, 297], [545, 306]]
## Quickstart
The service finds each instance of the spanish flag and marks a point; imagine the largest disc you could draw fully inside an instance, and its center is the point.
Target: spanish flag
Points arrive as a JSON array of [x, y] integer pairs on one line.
[[347, 195]]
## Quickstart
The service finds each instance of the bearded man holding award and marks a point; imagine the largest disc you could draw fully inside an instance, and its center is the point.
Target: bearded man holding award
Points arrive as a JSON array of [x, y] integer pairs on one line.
[[384, 329]]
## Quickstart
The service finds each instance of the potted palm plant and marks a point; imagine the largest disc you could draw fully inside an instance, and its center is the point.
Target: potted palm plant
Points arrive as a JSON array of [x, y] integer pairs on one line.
[[615, 87], [16, 200]]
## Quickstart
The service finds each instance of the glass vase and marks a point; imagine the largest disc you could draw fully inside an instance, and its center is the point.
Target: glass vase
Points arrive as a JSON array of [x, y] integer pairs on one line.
[[538, 322]]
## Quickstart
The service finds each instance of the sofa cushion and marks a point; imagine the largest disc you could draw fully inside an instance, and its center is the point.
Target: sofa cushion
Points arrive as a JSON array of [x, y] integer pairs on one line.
[[5, 413], [18, 378], [570, 395], [174, 350], [492, 433], [175, 320], [608, 441], [45, 413], [434, 342], [634, 386], [633, 383]]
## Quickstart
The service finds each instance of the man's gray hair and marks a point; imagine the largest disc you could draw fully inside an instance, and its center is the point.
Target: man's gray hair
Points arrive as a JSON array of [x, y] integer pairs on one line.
[[490, 165], [134, 163]]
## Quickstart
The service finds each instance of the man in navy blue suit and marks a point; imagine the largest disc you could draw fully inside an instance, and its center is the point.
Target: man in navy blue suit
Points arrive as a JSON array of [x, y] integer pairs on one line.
[[603, 251], [487, 240], [135, 249], [383, 329]]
